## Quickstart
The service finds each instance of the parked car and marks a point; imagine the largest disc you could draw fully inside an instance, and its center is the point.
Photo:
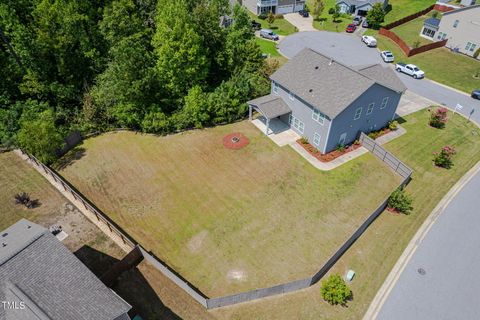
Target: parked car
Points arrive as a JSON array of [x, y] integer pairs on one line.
[[476, 94], [256, 25], [410, 69], [351, 28], [369, 41], [387, 56], [357, 20], [365, 23], [268, 34], [303, 13]]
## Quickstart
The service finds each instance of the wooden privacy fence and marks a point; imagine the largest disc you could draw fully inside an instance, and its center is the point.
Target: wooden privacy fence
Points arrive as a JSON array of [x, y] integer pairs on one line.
[[192, 291], [393, 162]]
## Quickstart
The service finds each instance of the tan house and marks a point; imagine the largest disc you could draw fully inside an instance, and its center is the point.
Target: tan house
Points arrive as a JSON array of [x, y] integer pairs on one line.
[[462, 29], [258, 7]]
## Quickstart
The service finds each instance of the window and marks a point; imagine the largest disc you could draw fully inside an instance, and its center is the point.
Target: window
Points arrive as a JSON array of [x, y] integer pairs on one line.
[[297, 124], [316, 139], [384, 103], [275, 87], [470, 46], [370, 108], [291, 96], [318, 116], [441, 36], [455, 24], [428, 32], [358, 113]]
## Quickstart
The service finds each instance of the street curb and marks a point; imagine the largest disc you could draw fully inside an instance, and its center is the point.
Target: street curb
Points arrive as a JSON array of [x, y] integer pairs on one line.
[[412, 246]]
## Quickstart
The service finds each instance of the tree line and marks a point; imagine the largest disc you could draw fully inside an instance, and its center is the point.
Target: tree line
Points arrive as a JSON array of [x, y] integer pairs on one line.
[[155, 66]]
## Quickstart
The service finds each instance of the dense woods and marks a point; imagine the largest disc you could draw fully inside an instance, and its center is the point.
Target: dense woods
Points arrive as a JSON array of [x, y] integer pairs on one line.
[[150, 65]]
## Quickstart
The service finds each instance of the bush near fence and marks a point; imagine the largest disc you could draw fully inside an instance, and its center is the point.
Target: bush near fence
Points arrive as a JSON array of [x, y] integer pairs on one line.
[[196, 294]]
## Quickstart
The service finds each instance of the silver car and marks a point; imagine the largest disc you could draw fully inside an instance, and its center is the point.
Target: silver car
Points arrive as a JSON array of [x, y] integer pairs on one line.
[[268, 34], [387, 56]]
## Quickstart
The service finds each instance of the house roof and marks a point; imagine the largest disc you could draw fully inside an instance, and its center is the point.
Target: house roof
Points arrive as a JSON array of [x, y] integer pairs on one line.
[[328, 85], [39, 270], [461, 9], [271, 106], [360, 3], [434, 22]]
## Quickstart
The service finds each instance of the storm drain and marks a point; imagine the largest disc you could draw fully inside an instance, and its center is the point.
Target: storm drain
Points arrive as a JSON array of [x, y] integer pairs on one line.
[[421, 271]]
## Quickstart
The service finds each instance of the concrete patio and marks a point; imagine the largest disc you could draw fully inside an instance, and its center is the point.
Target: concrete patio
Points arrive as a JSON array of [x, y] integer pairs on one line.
[[278, 131]]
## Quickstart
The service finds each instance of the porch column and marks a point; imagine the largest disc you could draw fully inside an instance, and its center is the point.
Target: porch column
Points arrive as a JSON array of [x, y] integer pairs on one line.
[[250, 112], [267, 126]]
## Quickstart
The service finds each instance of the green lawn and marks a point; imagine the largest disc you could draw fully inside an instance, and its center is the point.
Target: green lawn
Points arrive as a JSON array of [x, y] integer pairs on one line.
[[441, 65], [269, 47], [410, 31], [228, 220], [325, 22], [375, 253], [280, 26], [401, 8]]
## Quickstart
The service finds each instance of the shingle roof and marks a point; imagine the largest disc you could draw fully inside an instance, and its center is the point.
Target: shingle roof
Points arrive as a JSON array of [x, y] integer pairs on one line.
[[360, 3], [384, 76], [434, 22], [271, 106], [461, 9], [36, 267], [328, 85]]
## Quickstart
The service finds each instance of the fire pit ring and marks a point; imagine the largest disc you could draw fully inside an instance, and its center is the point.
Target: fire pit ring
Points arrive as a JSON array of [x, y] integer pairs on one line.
[[235, 141]]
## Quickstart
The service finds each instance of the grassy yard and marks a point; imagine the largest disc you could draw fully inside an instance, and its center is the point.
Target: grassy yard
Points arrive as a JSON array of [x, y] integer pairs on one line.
[[325, 22], [226, 220], [375, 253], [441, 65], [401, 8], [269, 47], [280, 26], [410, 31]]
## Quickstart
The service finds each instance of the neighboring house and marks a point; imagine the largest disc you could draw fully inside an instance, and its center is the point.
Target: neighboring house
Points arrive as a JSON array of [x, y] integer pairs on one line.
[[258, 7], [462, 29], [359, 7], [330, 103], [430, 29], [225, 21], [40, 279], [467, 3]]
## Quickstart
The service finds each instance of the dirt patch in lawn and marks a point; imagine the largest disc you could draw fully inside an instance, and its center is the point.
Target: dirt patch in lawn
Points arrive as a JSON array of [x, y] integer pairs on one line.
[[235, 141]]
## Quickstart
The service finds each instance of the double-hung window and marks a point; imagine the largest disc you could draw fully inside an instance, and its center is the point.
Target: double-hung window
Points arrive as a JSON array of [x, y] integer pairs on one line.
[[384, 103], [316, 139], [370, 108], [470, 46], [318, 116], [297, 124], [358, 113]]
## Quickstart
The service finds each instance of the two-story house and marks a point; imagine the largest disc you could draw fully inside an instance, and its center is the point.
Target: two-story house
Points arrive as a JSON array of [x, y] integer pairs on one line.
[[462, 29], [330, 103], [258, 7]]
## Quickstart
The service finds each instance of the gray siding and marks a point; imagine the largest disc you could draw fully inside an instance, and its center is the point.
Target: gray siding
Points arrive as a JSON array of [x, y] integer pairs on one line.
[[376, 120], [303, 111], [251, 5]]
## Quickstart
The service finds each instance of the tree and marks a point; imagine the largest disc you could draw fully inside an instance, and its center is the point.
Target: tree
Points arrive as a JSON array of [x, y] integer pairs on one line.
[[336, 13], [335, 291], [376, 15], [318, 8], [40, 137], [270, 18], [444, 157], [439, 118], [400, 201]]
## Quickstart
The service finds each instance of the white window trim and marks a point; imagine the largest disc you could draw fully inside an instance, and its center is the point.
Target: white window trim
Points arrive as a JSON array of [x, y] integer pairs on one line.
[[358, 113], [370, 108], [291, 96], [318, 140], [275, 88], [318, 116], [384, 102], [301, 124]]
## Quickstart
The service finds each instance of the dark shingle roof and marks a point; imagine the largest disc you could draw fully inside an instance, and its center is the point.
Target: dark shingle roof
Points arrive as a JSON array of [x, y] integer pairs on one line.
[[36, 267], [384, 76], [461, 9], [271, 106], [434, 22], [327, 85]]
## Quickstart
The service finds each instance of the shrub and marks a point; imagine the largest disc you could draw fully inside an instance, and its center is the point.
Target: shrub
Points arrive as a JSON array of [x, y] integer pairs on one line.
[[271, 18], [444, 157], [262, 16], [24, 199], [341, 148], [331, 11], [335, 291], [416, 44], [356, 142], [304, 140], [393, 125], [476, 53], [400, 201], [438, 118]]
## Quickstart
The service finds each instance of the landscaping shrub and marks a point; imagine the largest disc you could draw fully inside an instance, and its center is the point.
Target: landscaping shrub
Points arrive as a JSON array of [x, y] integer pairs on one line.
[[476, 53], [444, 157], [400, 201], [416, 44], [438, 118], [341, 148], [334, 290], [24, 199], [331, 11], [304, 140], [393, 125], [262, 16]]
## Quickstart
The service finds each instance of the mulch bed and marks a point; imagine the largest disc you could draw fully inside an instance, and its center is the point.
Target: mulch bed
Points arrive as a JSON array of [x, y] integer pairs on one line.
[[235, 141], [393, 211], [328, 156]]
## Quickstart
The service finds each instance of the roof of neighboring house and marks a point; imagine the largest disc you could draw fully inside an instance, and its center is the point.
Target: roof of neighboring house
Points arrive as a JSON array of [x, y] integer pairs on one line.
[[271, 106], [461, 9], [360, 3], [37, 269], [329, 85], [434, 22]]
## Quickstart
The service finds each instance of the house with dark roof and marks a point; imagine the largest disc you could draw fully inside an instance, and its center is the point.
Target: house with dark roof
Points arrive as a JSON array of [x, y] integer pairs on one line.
[[330, 103], [359, 7], [40, 279]]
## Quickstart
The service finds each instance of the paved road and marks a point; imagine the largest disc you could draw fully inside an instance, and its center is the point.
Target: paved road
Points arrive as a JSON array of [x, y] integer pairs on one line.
[[449, 255], [349, 50]]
